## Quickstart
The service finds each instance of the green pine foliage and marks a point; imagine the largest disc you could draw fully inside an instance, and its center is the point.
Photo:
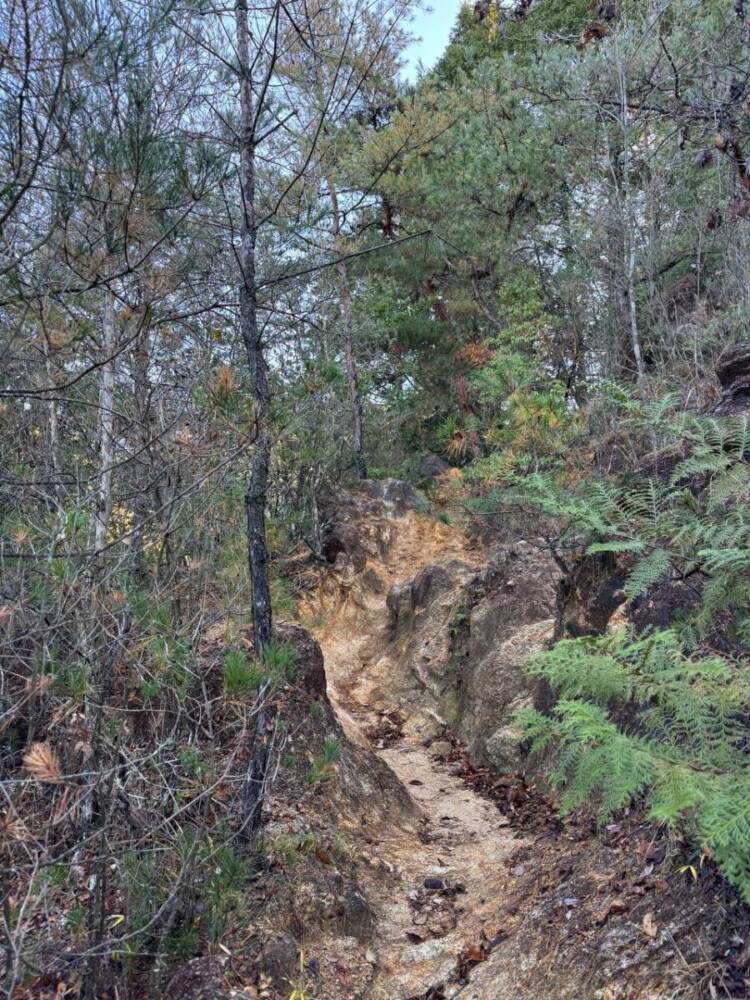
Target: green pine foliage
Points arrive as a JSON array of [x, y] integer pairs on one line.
[[639, 718], [244, 677]]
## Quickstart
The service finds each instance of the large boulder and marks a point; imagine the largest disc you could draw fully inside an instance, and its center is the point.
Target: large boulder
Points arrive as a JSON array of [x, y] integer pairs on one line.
[[360, 528]]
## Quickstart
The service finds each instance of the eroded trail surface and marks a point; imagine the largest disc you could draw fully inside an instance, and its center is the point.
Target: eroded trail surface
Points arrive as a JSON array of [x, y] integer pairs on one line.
[[419, 627], [449, 879]]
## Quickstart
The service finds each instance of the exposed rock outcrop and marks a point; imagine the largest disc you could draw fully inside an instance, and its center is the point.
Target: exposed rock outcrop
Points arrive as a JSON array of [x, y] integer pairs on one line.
[[465, 636], [432, 630], [589, 595], [592, 592], [733, 373], [396, 495], [200, 979], [458, 631]]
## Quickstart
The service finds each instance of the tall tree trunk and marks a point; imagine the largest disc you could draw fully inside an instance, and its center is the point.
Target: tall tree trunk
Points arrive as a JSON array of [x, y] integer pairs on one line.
[[635, 338], [257, 485], [55, 465], [106, 424], [630, 228], [345, 302], [256, 776], [140, 358]]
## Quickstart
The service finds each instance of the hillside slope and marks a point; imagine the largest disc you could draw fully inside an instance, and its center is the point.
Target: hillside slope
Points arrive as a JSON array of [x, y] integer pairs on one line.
[[493, 896]]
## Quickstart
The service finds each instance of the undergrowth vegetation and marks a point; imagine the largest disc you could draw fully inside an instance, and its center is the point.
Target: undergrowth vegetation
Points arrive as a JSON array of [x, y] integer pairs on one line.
[[681, 516], [642, 719], [661, 716]]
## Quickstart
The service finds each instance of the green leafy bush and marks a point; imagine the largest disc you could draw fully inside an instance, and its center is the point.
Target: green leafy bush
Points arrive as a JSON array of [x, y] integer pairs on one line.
[[642, 718]]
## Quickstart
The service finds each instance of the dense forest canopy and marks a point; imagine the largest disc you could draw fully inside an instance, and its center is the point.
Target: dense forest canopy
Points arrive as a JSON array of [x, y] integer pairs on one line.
[[244, 265]]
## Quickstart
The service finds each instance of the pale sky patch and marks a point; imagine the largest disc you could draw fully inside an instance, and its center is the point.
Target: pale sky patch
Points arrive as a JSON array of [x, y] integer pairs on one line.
[[434, 31]]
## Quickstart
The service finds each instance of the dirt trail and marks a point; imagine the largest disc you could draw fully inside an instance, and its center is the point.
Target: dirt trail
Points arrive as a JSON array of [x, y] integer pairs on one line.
[[451, 879]]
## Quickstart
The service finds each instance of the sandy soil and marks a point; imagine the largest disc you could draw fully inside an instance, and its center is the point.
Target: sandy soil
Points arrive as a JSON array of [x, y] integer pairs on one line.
[[452, 878]]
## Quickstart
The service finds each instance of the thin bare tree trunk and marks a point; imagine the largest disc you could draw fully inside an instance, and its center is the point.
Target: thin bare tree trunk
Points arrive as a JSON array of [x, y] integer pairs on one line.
[[52, 423], [256, 777], [139, 367], [629, 229], [635, 338], [345, 303], [257, 485], [106, 424]]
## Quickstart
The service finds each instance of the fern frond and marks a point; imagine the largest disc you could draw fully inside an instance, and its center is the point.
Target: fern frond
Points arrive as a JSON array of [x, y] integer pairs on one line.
[[540, 730], [698, 464], [686, 757], [675, 792], [647, 573], [575, 670], [615, 547]]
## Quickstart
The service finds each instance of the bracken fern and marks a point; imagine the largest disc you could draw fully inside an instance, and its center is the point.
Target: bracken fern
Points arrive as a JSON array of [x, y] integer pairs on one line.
[[682, 748]]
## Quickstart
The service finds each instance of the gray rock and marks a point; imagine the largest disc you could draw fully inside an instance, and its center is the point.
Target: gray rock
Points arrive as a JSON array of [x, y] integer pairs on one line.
[[356, 919], [432, 466], [733, 373], [279, 960], [199, 979], [504, 749], [395, 493]]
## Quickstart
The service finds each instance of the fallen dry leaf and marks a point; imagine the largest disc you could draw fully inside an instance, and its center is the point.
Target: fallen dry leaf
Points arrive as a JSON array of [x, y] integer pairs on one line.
[[649, 926], [617, 905]]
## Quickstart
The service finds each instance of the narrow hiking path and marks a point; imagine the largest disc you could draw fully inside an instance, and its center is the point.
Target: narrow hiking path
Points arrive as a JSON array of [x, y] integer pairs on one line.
[[451, 875]]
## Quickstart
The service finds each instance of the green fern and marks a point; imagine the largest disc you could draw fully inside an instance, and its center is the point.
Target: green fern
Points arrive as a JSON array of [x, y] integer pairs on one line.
[[581, 668], [682, 750], [647, 573], [696, 524], [616, 547]]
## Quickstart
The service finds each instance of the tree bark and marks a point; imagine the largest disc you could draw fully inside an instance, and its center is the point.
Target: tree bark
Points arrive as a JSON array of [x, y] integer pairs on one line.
[[256, 776], [630, 230], [139, 368], [106, 426], [55, 464], [257, 484], [350, 364]]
